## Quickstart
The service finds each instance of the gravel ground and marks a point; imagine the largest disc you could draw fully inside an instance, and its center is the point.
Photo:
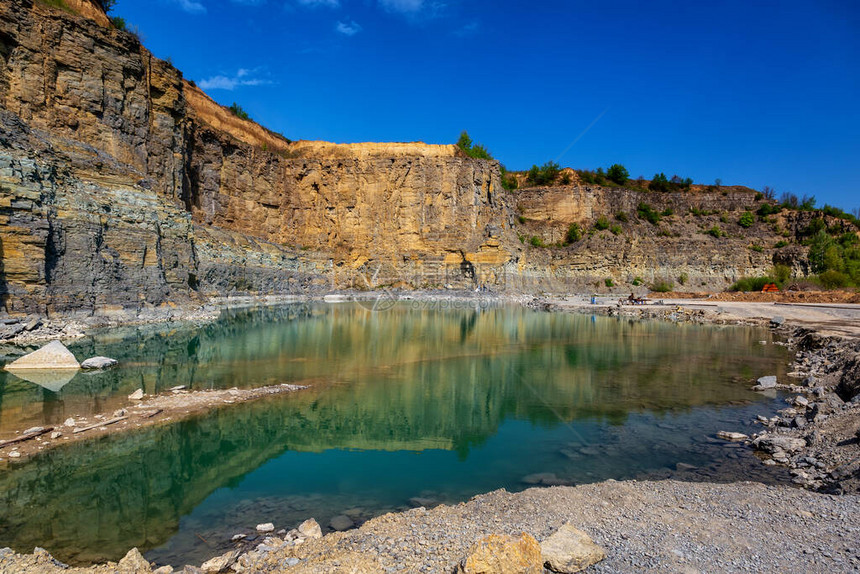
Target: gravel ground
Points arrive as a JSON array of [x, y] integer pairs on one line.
[[665, 526]]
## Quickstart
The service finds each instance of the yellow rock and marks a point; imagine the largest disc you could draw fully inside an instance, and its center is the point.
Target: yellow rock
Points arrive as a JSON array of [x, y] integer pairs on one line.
[[503, 554]]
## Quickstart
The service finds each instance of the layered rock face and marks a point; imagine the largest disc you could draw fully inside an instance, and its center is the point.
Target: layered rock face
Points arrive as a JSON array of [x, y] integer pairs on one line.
[[698, 243], [121, 185]]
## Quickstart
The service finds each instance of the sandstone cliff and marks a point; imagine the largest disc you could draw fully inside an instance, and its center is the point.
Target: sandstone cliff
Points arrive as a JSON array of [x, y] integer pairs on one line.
[[123, 185]]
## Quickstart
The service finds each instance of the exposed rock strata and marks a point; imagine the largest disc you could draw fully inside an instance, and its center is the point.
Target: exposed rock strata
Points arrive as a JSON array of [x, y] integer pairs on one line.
[[121, 185]]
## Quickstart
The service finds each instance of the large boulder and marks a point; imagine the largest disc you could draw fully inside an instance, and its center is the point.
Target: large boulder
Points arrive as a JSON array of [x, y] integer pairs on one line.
[[503, 554], [774, 443], [570, 550], [52, 356]]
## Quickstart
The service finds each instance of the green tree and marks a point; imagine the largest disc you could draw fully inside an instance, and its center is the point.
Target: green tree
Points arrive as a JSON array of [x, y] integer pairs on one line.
[[237, 111], [659, 182], [543, 175], [617, 173], [574, 233], [471, 149]]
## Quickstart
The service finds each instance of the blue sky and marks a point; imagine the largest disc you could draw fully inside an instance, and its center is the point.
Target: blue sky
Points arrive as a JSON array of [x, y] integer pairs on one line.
[[752, 92]]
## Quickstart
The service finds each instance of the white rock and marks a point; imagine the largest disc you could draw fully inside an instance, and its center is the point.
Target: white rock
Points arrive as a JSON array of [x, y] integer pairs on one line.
[[69, 422], [136, 395], [728, 435], [236, 537], [99, 363], [220, 563], [14, 454], [120, 413], [768, 382], [54, 355], [55, 435], [570, 550], [310, 529], [33, 430], [266, 527], [176, 388]]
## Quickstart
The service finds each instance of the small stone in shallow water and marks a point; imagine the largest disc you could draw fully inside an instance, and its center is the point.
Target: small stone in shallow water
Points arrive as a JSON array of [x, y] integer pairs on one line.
[[236, 537], [341, 522], [266, 527], [728, 435], [768, 382]]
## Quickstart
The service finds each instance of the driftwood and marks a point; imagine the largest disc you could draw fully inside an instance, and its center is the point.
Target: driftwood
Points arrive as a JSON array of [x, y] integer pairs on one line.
[[101, 424], [26, 437], [151, 414]]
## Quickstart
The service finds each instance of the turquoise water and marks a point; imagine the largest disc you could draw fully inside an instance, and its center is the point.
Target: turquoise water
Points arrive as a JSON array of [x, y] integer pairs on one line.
[[416, 402]]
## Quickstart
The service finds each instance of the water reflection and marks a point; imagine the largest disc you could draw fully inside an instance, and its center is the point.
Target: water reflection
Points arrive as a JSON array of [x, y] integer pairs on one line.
[[407, 401]]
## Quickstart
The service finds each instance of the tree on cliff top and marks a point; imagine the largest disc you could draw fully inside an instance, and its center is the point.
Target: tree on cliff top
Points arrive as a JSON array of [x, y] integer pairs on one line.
[[471, 149], [107, 5]]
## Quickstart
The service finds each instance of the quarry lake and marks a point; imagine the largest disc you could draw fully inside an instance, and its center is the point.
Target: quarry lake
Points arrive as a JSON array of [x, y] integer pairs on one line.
[[413, 405]]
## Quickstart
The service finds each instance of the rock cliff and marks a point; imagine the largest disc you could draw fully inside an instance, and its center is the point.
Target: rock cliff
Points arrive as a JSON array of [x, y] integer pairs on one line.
[[122, 185]]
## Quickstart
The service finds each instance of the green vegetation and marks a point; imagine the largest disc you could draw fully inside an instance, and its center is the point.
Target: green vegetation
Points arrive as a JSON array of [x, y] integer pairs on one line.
[[107, 4], [746, 220], [836, 260], [617, 173], [608, 282], [661, 183], [118, 23], [61, 4], [622, 217], [791, 201], [473, 150], [779, 244], [565, 178], [543, 175], [668, 212], [601, 224], [537, 241], [683, 278], [637, 281], [756, 247], [662, 285], [746, 284], [509, 181], [779, 275], [648, 213], [237, 111], [574, 233], [715, 231], [615, 229], [768, 209], [521, 219]]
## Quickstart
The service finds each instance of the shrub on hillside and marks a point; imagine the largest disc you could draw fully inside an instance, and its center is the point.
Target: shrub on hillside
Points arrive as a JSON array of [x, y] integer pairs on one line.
[[601, 223], [662, 286], [750, 284], [746, 220], [237, 111], [543, 175], [648, 213], [574, 233]]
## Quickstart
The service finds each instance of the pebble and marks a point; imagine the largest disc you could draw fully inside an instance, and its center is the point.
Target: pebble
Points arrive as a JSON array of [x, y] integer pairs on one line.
[[266, 527]]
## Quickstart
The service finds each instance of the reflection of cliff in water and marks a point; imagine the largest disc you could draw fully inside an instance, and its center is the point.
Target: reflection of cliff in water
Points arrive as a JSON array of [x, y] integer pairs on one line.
[[388, 381]]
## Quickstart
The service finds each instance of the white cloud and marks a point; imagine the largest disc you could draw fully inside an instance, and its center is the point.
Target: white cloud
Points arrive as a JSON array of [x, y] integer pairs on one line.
[[469, 29], [320, 3], [191, 6], [348, 28], [242, 77], [402, 6]]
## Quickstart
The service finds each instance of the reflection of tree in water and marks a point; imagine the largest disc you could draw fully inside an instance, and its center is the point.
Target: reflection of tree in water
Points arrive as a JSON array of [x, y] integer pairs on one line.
[[397, 380]]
